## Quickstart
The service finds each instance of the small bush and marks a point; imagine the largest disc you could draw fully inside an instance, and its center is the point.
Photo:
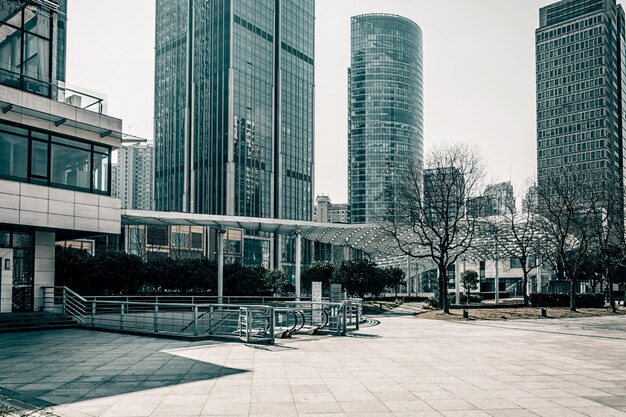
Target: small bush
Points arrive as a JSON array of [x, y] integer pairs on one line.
[[563, 300], [490, 295]]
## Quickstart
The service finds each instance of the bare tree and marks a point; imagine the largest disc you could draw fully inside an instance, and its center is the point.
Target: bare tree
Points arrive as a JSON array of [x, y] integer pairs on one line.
[[610, 236], [517, 233], [426, 209], [568, 205]]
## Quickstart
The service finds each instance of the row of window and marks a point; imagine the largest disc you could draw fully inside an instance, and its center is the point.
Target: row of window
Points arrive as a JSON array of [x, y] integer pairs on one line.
[[570, 69], [573, 128], [572, 98], [572, 118], [569, 28], [566, 60], [571, 38], [40, 158], [587, 50], [585, 75]]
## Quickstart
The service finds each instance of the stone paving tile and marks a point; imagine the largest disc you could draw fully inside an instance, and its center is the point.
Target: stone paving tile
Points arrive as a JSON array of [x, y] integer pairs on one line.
[[410, 368]]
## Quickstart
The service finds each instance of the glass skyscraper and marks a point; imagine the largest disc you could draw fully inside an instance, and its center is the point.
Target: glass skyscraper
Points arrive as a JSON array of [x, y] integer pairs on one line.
[[386, 106], [234, 107], [580, 53], [234, 112]]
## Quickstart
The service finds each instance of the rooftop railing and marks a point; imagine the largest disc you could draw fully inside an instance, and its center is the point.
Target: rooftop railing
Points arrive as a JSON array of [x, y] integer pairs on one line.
[[61, 93]]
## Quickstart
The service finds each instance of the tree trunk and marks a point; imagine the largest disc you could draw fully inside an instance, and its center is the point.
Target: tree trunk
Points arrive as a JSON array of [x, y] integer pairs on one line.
[[609, 284], [572, 300], [443, 289], [525, 288]]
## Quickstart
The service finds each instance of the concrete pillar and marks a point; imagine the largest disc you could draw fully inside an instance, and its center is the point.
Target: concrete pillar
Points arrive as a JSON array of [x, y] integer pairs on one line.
[[220, 265], [6, 280], [44, 265], [298, 262]]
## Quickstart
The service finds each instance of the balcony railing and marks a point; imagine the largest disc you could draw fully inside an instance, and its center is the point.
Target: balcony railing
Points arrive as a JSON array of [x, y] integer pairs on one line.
[[62, 94]]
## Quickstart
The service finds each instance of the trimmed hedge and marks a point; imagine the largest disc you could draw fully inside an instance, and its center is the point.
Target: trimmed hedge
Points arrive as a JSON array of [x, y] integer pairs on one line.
[[562, 300], [491, 295]]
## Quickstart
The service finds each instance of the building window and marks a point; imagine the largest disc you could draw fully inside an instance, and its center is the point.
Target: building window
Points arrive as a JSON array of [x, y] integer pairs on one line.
[[35, 157], [25, 46]]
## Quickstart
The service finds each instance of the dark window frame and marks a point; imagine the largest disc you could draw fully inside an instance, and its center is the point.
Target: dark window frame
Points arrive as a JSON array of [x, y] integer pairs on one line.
[[37, 179]]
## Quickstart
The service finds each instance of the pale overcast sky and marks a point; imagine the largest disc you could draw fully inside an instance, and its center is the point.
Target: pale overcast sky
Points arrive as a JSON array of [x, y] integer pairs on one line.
[[479, 77]]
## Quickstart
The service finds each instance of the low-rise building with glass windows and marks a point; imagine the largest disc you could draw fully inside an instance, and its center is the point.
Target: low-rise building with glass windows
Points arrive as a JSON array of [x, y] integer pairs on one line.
[[55, 153]]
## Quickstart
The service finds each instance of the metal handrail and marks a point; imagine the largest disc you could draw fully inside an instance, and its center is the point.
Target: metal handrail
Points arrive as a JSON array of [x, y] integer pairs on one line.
[[246, 321], [22, 79]]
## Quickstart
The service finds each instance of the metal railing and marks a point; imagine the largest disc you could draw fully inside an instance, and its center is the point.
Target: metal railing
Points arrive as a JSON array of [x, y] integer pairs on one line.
[[196, 318], [62, 94]]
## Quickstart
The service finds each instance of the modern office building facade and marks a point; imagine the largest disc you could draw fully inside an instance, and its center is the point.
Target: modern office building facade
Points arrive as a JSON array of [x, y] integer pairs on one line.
[[385, 98], [133, 181], [580, 56], [54, 156], [234, 109]]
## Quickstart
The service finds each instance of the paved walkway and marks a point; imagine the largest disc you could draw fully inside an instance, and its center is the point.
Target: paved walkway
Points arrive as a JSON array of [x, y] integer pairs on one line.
[[401, 367]]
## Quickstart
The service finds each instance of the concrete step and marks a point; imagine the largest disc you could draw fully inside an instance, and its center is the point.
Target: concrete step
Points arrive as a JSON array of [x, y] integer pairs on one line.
[[10, 322], [39, 327]]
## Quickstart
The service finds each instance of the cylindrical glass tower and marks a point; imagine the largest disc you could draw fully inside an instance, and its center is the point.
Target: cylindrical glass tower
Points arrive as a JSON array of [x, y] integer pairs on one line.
[[386, 109]]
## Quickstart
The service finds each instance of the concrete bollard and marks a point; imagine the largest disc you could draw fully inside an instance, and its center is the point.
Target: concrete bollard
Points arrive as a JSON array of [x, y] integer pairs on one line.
[[544, 312], [465, 314]]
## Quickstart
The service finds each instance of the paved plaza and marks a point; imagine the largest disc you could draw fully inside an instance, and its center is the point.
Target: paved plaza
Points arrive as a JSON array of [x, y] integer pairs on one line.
[[398, 366]]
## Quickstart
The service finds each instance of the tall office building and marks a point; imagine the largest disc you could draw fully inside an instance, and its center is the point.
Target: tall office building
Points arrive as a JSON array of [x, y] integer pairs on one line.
[[234, 107], [385, 124], [580, 50], [133, 181]]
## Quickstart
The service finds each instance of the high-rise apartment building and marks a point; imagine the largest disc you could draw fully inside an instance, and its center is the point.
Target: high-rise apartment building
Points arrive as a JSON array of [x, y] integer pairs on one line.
[[385, 98], [580, 53], [133, 181], [234, 107]]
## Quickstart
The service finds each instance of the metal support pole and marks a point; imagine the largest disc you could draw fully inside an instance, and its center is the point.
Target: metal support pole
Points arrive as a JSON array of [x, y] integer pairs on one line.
[[195, 320], [156, 318], [121, 316], [298, 262], [93, 313], [457, 282], [497, 278], [220, 265], [408, 276], [272, 326]]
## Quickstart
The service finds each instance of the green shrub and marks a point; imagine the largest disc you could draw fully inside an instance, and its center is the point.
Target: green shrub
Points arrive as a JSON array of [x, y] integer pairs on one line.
[[563, 300]]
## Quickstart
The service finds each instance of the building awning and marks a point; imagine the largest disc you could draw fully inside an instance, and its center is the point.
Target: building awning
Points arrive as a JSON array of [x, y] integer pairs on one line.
[[367, 237]]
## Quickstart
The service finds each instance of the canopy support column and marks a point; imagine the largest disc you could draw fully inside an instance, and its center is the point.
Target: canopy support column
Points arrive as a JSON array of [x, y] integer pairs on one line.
[[220, 265], [298, 262]]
